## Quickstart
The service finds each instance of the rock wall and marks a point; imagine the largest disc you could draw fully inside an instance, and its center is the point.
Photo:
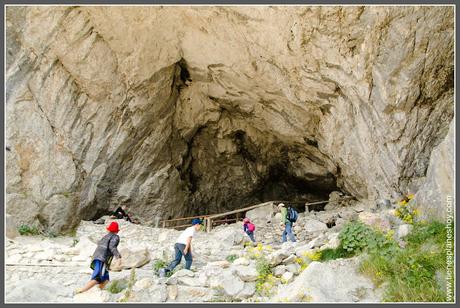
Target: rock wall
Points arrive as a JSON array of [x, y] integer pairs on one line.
[[186, 110], [436, 194]]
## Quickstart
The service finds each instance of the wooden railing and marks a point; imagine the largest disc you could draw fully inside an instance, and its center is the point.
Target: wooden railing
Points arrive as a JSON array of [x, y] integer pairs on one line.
[[211, 220]]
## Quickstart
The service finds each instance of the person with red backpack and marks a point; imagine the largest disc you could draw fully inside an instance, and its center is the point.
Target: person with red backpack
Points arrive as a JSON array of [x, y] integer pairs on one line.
[[249, 228]]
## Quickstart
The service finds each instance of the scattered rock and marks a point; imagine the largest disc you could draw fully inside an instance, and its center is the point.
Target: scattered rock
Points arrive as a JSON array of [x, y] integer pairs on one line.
[[287, 277], [222, 264], [246, 273], [172, 292], [279, 270], [404, 230], [290, 259], [154, 294], [232, 285], [293, 268], [312, 225], [143, 283], [189, 281], [248, 290], [241, 261], [374, 220], [277, 257]]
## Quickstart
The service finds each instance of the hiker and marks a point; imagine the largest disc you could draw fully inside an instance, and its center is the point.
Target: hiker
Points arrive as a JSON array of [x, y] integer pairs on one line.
[[183, 247], [121, 213], [102, 258], [288, 221], [249, 228]]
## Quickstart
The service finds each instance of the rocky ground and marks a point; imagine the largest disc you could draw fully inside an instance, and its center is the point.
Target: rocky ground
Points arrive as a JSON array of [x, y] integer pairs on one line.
[[41, 269]]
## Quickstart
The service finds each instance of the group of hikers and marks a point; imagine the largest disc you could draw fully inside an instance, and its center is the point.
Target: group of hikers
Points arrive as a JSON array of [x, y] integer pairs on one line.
[[106, 248]]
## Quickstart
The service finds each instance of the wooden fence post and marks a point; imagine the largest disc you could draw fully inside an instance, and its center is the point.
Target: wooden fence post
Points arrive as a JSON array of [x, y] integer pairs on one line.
[[208, 224]]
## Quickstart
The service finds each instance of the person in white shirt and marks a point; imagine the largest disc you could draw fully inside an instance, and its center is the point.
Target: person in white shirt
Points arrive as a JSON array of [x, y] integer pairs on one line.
[[183, 247]]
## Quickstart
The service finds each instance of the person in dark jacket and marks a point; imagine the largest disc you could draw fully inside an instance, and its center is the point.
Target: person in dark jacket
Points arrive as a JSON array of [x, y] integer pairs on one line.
[[121, 213], [106, 249]]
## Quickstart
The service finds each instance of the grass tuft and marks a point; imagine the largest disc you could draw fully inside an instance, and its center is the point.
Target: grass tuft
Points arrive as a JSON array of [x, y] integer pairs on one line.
[[231, 258]]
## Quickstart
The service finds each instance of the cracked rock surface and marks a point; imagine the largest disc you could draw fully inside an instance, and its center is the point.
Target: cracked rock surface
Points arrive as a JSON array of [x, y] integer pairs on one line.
[[178, 111]]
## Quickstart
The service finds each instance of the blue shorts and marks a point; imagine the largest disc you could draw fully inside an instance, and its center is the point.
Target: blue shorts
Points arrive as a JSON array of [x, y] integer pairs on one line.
[[100, 272]]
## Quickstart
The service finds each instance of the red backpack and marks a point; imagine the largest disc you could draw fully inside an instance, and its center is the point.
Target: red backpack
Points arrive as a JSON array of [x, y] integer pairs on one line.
[[251, 227]]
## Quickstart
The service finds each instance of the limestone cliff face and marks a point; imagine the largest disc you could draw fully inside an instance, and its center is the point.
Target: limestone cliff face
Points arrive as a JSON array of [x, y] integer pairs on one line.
[[185, 110]]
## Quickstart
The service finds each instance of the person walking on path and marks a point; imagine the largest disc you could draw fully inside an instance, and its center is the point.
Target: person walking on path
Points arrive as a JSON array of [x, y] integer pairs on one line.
[[183, 247], [249, 228], [105, 251], [287, 224]]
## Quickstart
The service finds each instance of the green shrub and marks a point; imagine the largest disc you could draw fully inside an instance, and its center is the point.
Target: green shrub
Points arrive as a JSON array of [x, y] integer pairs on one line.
[[158, 264], [265, 279], [66, 194], [231, 258], [357, 237], [116, 286], [131, 282], [75, 242], [27, 230], [50, 234], [410, 274], [332, 254]]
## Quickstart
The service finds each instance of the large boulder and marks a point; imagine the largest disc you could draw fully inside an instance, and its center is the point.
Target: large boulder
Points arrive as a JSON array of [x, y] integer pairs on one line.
[[278, 256], [334, 281], [263, 213], [33, 291], [246, 273], [228, 282], [248, 290], [312, 226], [154, 293], [334, 201], [131, 259], [229, 236]]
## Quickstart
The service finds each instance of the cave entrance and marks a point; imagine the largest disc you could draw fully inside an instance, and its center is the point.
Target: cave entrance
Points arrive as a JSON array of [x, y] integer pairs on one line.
[[280, 185]]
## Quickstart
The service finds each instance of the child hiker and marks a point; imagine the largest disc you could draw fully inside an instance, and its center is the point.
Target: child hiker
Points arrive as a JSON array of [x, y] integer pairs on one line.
[[183, 247], [249, 228], [102, 257]]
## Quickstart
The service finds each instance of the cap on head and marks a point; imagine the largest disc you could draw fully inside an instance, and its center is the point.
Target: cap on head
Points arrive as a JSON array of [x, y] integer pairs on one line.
[[113, 227], [281, 205], [196, 221], [246, 220]]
